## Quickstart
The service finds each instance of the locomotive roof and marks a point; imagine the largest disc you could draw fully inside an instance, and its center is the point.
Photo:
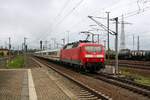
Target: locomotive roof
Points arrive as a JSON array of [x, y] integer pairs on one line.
[[80, 41]]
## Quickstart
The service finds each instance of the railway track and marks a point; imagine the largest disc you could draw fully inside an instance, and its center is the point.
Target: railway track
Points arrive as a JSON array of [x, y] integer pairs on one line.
[[119, 82], [130, 85], [132, 64], [86, 93]]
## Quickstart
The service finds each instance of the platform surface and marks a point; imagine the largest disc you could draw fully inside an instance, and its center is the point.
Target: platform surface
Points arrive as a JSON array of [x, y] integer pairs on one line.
[[13, 84], [29, 84]]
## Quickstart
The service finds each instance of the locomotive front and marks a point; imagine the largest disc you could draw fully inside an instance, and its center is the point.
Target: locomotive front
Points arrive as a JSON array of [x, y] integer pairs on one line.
[[92, 56]]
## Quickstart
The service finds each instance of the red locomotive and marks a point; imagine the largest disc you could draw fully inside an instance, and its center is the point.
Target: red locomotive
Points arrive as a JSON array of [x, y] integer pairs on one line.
[[84, 55]]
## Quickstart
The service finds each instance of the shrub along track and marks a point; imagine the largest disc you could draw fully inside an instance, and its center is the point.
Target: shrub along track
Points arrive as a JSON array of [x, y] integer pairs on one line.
[[114, 91]]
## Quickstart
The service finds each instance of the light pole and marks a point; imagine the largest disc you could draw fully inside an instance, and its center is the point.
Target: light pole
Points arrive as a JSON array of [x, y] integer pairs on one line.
[[63, 40], [54, 40], [9, 47], [68, 36], [116, 48], [108, 34]]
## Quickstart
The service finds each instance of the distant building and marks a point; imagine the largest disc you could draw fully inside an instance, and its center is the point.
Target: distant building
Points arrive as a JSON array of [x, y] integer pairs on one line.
[[4, 52]]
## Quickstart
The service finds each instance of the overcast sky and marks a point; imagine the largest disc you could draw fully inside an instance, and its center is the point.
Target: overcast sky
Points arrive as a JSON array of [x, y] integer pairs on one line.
[[45, 19]]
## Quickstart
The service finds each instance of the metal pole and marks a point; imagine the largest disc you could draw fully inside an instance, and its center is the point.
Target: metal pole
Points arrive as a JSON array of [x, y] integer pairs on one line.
[[18, 49], [25, 44], [9, 48], [138, 44], [92, 38], [105, 48], [50, 46], [63, 40], [41, 47], [116, 47], [133, 42], [46, 44], [68, 36], [108, 34], [98, 38], [25, 51]]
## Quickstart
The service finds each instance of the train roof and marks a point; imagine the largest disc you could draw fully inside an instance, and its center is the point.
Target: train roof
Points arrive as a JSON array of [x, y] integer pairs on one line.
[[49, 50], [94, 44], [81, 42]]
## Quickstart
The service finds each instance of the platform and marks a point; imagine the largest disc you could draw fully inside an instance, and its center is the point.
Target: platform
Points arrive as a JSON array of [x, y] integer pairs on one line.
[[13, 84], [28, 84]]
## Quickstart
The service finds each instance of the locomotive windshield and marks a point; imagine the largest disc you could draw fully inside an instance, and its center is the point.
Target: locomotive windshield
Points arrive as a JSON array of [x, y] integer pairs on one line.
[[93, 49]]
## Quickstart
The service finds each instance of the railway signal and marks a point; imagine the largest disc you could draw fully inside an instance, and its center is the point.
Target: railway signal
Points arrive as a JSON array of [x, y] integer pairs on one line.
[[41, 44]]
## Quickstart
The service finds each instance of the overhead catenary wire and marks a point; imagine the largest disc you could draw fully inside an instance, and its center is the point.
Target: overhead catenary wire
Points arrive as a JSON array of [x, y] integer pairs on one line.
[[94, 12], [62, 10], [84, 17], [103, 26], [70, 12]]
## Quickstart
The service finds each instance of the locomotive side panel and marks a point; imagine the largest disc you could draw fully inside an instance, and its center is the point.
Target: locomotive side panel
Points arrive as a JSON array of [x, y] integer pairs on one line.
[[71, 55]]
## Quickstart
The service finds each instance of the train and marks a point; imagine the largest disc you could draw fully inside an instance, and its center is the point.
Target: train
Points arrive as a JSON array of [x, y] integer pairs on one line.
[[82, 55], [127, 54]]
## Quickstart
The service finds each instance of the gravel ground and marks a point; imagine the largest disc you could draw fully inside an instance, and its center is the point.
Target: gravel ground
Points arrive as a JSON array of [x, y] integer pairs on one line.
[[72, 87], [113, 91]]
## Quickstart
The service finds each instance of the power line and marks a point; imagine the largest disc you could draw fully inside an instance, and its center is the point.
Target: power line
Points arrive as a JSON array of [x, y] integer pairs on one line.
[[74, 8], [101, 10], [63, 8], [140, 9]]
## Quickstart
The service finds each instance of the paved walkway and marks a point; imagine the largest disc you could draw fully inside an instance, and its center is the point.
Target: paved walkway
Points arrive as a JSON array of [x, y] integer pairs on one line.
[[13, 84], [29, 84]]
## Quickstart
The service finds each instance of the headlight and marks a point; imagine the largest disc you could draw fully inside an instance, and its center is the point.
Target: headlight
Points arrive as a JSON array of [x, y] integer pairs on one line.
[[94, 56], [88, 56], [100, 56]]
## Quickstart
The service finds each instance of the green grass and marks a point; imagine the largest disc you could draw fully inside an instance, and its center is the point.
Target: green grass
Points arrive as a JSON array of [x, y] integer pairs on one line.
[[17, 62], [137, 77]]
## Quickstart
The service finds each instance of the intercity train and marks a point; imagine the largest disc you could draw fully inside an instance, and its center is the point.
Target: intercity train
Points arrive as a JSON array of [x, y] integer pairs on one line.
[[82, 55]]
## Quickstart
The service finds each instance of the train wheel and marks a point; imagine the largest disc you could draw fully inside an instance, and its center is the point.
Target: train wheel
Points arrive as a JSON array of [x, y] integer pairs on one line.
[[82, 69], [92, 70], [77, 69]]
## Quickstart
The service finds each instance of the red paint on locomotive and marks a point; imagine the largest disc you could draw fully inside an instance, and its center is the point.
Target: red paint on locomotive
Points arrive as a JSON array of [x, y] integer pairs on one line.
[[87, 55]]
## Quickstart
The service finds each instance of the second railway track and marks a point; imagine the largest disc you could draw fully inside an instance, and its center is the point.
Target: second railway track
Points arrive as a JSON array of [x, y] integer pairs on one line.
[[130, 85], [132, 64]]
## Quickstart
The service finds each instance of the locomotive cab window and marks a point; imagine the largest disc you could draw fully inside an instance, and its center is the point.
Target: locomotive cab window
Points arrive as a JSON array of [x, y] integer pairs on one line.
[[93, 48]]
